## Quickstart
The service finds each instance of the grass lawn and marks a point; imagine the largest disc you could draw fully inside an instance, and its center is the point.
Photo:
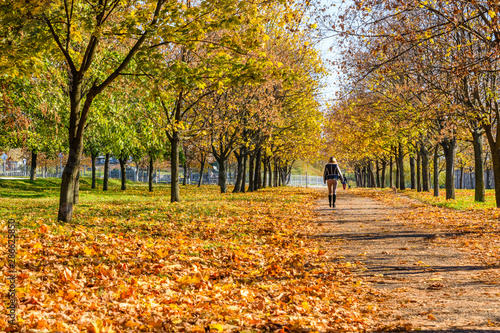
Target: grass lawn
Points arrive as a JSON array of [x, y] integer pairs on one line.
[[132, 261], [464, 199]]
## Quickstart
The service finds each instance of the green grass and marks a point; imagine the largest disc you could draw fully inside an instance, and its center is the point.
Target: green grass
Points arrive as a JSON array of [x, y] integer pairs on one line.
[[38, 201], [464, 199]]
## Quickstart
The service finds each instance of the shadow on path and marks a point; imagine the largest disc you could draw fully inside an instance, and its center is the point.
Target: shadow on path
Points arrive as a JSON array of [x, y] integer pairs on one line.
[[422, 270]]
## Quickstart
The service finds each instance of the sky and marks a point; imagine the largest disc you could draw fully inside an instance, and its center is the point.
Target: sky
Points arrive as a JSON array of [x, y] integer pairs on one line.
[[328, 49]]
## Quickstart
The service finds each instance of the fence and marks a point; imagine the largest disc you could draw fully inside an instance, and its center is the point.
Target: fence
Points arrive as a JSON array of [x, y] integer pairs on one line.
[[159, 176], [211, 178], [469, 179], [306, 181], [132, 174]]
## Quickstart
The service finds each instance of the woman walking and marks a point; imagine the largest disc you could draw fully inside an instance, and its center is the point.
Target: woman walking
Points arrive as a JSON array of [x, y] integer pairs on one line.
[[331, 176]]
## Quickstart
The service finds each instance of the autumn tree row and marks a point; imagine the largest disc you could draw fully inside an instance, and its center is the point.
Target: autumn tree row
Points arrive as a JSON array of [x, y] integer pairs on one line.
[[143, 78], [422, 79]]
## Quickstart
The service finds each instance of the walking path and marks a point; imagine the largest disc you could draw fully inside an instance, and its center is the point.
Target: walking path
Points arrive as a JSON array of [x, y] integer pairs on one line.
[[434, 288]]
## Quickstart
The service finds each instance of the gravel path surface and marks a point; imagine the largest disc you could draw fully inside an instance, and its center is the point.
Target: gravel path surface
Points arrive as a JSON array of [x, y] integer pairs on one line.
[[433, 287]]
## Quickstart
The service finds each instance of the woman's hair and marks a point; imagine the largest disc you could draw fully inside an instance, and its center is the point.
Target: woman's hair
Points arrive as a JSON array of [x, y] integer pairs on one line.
[[332, 160]]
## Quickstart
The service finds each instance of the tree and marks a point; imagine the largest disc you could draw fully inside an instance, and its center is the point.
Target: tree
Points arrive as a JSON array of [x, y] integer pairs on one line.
[[32, 119], [450, 48], [83, 36]]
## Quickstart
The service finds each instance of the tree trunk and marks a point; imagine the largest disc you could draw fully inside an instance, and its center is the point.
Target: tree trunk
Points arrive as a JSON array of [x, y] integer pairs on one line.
[[488, 177], [275, 177], [391, 180], [368, 178], [412, 173], [396, 162], [174, 165], [239, 170], [402, 185], [436, 171], [419, 173], [244, 173], [280, 176], [150, 173], [377, 173], [76, 191], [264, 180], [471, 180], [283, 176], [477, 139], [425, 169], [184, 180], [288, 172], [33, 166], [106, 173], [123, 172], [222, 174], [362, 176], [251, 173], [384, 169], [136, 172], [461, 184], [495, 159], [93, 157], [77, 119], [449, 146], [68, 181], [269, 168], [356, 175], [365, 175], [371, 175], [257, 179], [202, 166]]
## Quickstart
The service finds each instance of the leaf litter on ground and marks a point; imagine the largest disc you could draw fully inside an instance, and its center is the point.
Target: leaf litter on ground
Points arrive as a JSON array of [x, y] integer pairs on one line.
[[132, 261]]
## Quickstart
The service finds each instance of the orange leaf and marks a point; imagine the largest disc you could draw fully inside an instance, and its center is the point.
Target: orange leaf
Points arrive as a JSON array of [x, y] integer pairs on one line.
[[43, 229], [131, 324], [70, 294]]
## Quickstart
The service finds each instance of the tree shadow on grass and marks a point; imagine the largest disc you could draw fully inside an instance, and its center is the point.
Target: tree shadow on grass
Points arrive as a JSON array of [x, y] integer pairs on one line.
[[25, 188]]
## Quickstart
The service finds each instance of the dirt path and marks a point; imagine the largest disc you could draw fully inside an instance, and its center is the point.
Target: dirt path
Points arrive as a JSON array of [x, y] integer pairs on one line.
[[436, 288]]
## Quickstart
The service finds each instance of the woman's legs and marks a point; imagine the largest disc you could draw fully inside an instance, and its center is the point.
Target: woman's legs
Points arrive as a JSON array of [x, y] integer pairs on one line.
[[330, 196], [332, 191], [329, 182], [332, 186]]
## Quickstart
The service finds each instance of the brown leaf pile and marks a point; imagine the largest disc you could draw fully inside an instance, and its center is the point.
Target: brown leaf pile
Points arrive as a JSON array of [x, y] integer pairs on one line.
[[214, 263]]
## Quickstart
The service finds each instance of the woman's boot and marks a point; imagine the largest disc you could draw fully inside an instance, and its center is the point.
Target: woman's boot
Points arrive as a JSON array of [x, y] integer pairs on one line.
[[334, 198], [330, 199]]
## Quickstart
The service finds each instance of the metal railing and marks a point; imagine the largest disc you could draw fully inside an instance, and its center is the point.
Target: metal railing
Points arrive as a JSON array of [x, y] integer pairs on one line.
[[306, 181], [161, 176]]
